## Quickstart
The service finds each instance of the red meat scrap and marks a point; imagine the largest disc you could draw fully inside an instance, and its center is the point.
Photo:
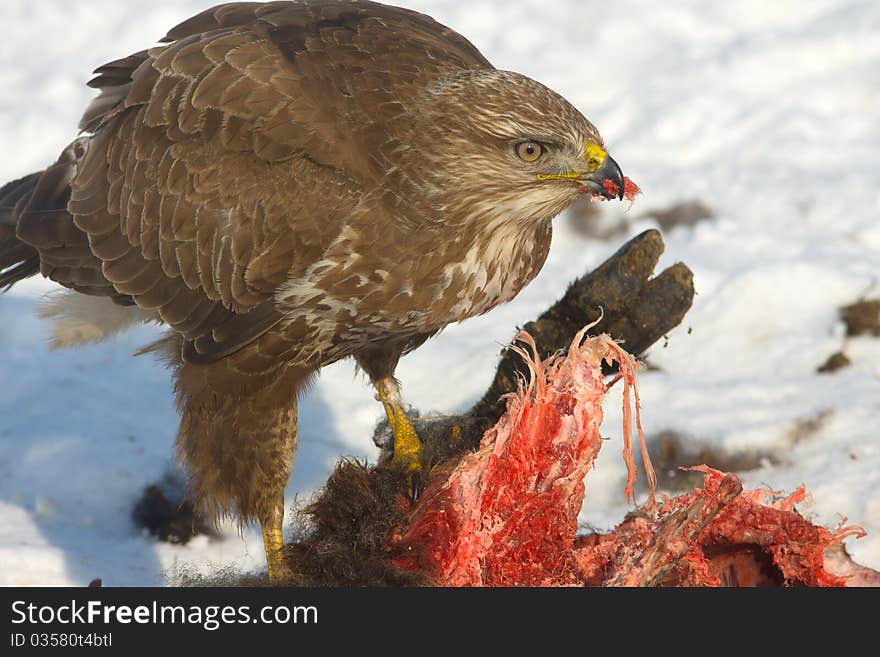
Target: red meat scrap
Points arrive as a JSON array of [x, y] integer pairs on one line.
[[506, 515], [720, 535], [630, 189]]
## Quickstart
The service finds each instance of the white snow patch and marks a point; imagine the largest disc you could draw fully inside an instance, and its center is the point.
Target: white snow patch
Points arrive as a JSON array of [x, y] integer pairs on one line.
[[766, 112]]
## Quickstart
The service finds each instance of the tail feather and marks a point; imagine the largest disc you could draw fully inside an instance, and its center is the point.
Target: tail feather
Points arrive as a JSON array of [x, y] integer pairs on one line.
[[17, 259], [38, 234]]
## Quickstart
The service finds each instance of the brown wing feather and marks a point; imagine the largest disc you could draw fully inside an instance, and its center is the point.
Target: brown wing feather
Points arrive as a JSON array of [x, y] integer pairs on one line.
[[227, 161]]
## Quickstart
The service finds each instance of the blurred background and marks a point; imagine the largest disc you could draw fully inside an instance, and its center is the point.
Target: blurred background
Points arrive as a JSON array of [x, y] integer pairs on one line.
[[753, 129]]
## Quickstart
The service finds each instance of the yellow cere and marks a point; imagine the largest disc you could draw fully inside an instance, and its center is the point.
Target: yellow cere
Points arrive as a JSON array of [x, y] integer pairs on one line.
[[595, 156]]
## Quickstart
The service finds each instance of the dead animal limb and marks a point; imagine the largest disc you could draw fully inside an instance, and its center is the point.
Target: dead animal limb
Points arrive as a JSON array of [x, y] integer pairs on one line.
[[635, 309]]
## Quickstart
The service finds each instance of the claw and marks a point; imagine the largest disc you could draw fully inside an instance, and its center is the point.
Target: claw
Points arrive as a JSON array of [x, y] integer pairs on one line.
[[412, 472], [416, 486]]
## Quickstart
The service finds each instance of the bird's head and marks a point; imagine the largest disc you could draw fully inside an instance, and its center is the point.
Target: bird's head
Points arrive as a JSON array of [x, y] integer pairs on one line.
[[508, 147]]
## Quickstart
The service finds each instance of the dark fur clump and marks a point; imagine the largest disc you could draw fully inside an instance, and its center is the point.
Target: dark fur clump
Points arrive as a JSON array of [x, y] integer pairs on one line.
[[352, 523], [347, 531], [166, 513]]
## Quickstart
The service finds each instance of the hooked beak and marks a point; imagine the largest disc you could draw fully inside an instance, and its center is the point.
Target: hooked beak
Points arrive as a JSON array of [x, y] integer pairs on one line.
[[606, 181], [602, 176]]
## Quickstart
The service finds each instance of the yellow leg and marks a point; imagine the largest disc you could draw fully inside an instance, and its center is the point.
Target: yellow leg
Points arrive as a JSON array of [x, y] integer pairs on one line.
[[407, 445], [273, 543]]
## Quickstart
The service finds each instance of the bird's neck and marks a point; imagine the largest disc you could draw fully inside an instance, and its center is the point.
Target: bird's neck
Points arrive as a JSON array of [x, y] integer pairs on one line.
[[498, 262]]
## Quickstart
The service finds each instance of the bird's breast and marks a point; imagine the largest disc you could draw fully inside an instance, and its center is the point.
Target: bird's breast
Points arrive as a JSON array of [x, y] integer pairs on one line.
[[343, 306], [485, 278]]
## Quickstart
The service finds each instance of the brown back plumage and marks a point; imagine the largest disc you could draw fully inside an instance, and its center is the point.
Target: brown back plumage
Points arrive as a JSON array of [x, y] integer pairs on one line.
[[223, 163]]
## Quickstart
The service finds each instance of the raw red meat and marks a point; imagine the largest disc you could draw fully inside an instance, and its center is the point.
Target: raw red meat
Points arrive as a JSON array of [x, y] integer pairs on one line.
[[718, 535], [630, 189], [506, 515]]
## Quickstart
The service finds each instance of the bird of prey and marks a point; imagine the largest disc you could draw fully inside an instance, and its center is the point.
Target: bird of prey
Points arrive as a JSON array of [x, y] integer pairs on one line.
[[286, 184]]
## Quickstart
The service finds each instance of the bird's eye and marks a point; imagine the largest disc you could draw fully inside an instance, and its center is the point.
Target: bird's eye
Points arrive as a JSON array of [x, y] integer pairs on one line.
[[529, 151]]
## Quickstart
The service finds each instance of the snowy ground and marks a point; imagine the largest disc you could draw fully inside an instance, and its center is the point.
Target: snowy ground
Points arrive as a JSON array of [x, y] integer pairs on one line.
[[766, 112]]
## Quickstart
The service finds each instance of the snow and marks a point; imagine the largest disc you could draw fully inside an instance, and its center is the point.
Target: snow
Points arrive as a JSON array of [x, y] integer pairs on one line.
[[766, 112]]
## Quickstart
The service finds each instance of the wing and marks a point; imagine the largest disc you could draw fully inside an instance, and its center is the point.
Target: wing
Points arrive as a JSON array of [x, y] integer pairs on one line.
[[227, 162]]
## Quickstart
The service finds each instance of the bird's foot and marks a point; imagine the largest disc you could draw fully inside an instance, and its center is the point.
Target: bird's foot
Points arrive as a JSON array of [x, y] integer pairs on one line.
[[407, 458], [408, 449]]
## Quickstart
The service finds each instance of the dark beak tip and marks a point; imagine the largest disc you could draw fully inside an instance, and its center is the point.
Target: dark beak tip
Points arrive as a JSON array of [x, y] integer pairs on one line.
[[612, 172]]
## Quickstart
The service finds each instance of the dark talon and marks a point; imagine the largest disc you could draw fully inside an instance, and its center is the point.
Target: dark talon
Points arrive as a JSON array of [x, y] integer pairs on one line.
[[416, 486]]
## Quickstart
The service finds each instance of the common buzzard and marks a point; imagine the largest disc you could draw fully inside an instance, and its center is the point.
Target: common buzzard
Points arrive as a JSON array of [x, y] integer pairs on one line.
[[286, 184]]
